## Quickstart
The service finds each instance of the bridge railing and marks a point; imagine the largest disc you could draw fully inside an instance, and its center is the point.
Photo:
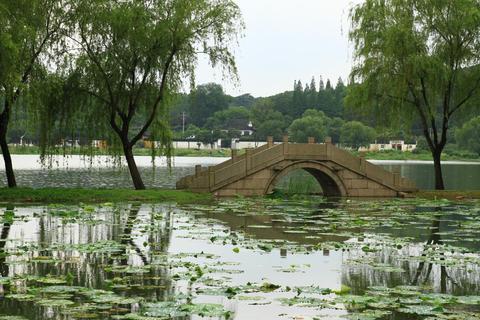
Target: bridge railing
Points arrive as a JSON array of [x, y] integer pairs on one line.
[[368, 169], [224, 174], [252, 160], [302, 151], [265, 158]]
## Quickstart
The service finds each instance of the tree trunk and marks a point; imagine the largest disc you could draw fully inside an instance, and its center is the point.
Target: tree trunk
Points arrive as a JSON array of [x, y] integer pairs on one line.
[[132, 166], [4, 117], [439, 185]]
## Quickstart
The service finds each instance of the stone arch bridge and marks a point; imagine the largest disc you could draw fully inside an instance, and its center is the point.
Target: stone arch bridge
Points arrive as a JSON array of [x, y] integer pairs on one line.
[[255, 173]]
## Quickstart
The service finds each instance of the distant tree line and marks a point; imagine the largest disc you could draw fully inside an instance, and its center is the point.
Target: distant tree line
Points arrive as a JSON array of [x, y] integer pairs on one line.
[[208, 113]]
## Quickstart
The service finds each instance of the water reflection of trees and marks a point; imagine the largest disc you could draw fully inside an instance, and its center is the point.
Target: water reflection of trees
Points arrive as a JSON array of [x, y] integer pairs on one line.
[[313, 223], [141, 249], [144, 232], [3, 242], [459, 279]]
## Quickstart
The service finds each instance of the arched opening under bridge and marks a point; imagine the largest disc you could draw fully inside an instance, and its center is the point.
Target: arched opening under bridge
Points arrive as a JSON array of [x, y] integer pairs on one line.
[[300, 177]]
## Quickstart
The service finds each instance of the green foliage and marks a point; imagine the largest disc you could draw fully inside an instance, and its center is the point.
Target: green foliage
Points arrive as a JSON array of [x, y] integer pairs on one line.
[[131, 58], [268, 121], [410, 54], [148, 54], [29, 31], [468, 136], [205, 100], [299, 182], [334, 129], [422, 145], [209, 137], [312, 124], [191, 131], [355, 134], [231, 118], [31, 36], [416, 60]]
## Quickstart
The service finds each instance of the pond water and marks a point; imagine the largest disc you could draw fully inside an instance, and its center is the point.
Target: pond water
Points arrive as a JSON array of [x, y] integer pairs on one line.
[[457, 175], [101, 172], [305, 258]]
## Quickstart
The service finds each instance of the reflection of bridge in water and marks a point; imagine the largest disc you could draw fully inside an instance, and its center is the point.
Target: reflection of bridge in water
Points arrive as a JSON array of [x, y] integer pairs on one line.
[[256, 172]]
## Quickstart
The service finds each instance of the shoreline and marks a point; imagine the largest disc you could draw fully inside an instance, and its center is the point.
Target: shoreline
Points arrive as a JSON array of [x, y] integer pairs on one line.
[[449, 162], [32, 162]]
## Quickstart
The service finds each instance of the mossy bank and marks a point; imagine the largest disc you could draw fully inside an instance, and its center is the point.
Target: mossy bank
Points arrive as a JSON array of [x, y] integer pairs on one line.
[[73, 196]]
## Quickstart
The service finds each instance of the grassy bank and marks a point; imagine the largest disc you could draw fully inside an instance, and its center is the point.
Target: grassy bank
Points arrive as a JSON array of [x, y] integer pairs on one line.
[[448, 194], [423, 156], [73, 196]]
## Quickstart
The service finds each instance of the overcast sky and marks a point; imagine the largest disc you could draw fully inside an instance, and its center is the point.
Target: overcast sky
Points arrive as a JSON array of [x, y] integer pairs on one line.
[[287, 40]]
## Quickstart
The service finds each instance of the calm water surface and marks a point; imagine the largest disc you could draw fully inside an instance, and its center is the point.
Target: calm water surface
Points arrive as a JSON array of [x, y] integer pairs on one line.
[[242, 259], [457, 175], [100, 172]]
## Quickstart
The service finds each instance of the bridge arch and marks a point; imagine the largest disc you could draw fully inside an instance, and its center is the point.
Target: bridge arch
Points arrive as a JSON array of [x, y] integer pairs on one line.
[[330, 182]]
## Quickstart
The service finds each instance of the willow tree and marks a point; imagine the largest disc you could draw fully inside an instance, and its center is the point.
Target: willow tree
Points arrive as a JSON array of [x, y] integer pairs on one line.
[[29, 32], [416, 61], [132, 54]]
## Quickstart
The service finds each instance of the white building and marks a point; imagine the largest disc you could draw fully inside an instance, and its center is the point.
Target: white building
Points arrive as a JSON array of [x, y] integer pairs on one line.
[[399, 145]]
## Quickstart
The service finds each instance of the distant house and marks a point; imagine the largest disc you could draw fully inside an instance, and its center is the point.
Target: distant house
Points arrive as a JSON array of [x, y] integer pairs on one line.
[[399, 145], [248, 131], [243, 129], [101, 144]]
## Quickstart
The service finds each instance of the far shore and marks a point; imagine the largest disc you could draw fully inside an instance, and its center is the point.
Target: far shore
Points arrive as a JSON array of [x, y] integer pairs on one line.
[[76, 161], [379, 157]]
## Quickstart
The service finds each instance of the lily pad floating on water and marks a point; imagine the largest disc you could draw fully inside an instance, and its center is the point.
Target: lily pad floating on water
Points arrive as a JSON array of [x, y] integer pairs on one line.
[[21, 297], [55, 303], [421, 310], [59, 289], [114, 299], [170, 310], [51, 280], [369, 315], [45, 259]]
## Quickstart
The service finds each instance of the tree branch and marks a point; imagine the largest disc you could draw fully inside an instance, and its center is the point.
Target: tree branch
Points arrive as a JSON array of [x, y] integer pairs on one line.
[[93, 94], [467, 97], [85, 44], [113, 123], [158, 99], [423, 117]]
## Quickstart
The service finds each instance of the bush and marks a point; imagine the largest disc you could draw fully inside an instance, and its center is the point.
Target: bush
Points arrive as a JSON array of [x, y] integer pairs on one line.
[[355, 134], [312, 124], [468, 136]]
